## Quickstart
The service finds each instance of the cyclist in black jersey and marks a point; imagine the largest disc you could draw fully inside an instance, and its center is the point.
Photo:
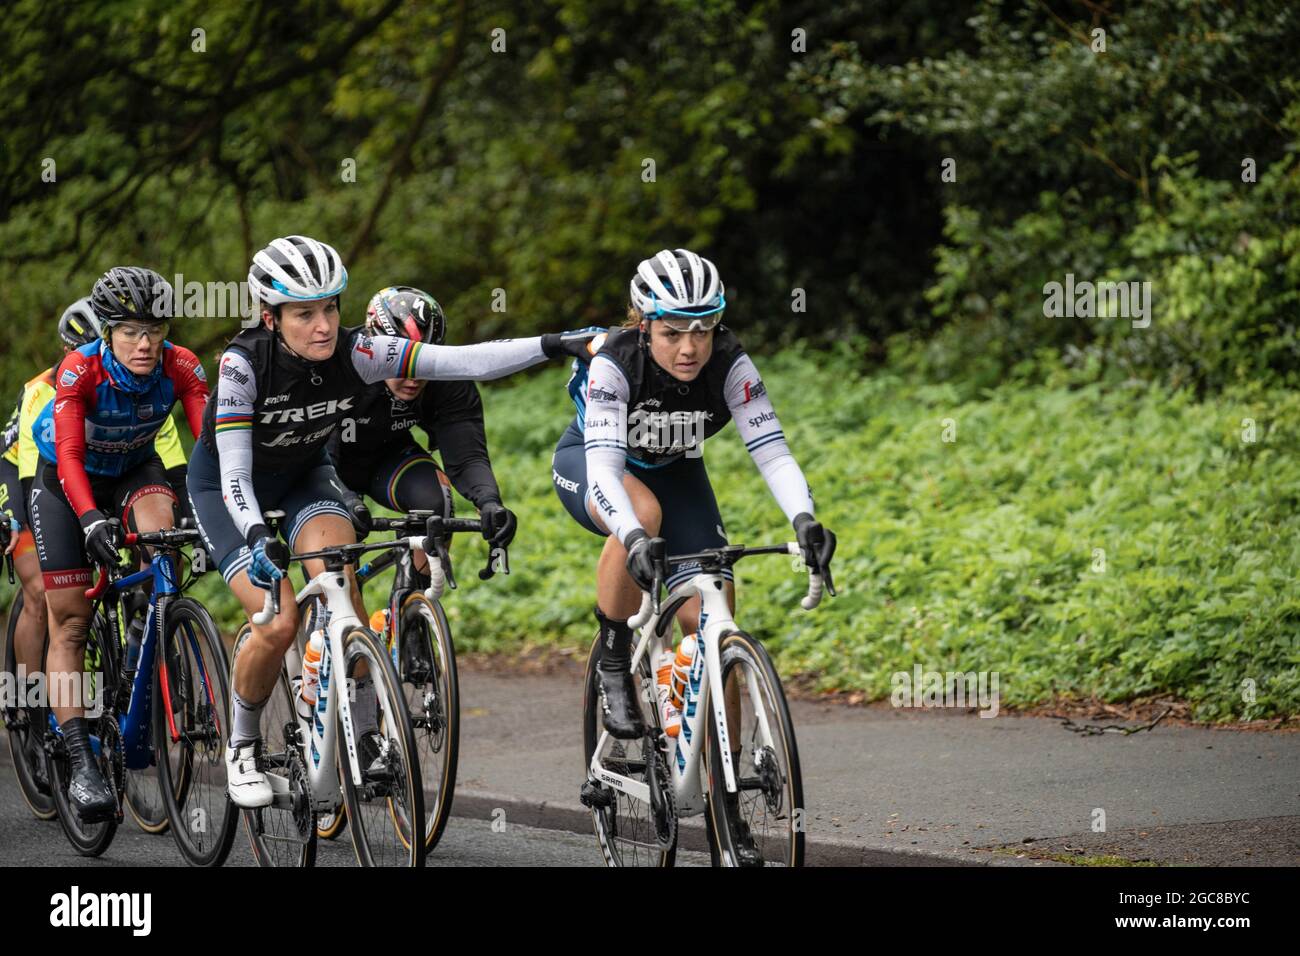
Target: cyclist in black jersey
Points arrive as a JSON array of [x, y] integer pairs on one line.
[[629, 465], [282, 389], [380, 457]]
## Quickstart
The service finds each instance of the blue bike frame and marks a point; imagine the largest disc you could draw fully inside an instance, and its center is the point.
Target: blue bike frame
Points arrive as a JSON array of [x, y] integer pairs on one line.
[[134, 725]]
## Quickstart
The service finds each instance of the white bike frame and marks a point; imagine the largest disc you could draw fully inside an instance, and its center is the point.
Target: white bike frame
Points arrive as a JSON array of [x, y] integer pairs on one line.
[[703, 694], [319, 748]]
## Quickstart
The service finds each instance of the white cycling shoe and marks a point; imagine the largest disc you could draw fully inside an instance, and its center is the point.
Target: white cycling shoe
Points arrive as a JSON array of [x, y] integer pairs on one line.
[[247, 786]]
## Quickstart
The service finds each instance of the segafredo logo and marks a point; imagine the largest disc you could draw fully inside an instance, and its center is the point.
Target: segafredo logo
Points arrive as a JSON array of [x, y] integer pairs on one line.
[[77, 909]]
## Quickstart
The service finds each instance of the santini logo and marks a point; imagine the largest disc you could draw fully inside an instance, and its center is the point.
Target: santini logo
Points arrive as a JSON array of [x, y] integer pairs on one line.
[[103, 909]]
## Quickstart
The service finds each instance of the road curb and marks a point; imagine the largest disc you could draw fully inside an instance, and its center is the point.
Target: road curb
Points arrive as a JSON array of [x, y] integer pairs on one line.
[[574, 818]]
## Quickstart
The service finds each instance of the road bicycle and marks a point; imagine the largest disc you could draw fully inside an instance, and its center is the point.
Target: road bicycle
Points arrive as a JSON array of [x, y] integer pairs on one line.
[[164, 709], [418, 636], [304, 758], [735, 758]]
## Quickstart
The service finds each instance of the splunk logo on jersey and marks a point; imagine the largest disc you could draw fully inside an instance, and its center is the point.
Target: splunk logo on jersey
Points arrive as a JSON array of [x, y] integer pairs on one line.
[[760, 419], [315, 410], [77, 909]]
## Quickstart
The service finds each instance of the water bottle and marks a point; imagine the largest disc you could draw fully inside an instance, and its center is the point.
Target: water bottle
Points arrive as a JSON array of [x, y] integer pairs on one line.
[[670, 715], [134, 638], [311, 666], [682, 670]]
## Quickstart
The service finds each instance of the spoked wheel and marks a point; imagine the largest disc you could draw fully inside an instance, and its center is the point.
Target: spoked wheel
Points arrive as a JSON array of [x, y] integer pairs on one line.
[[25, 728], [330, 824], [426, 663], [386, 811], [91, 839], [283, 834], [762, 824], [631, 832], [190, 732]]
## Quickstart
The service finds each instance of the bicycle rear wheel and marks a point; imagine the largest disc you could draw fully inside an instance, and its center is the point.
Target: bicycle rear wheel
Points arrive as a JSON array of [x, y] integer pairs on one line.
[[766, 814], [26, 732], [624, 825], [283, 834], [92, 839], [426, 663], [386, 811], [191, 701]]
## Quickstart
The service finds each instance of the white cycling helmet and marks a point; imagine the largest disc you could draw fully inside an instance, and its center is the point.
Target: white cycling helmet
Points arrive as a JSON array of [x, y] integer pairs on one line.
[[297, 269], [678, 283]]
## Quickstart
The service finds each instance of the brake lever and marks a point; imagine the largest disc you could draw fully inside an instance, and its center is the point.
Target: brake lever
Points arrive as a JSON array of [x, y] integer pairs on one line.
[[490, 568]]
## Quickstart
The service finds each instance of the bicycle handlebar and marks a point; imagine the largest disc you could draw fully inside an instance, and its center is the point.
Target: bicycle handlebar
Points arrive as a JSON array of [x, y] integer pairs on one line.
[[819, 580]]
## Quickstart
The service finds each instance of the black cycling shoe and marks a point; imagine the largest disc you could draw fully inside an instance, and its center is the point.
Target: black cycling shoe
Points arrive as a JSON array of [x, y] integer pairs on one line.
[[89, 795], [618, 702], [742, 840]]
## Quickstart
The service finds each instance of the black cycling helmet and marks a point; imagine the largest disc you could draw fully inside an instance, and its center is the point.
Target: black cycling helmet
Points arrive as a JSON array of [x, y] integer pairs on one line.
[[406, 311], [132, 294], [79, 325]]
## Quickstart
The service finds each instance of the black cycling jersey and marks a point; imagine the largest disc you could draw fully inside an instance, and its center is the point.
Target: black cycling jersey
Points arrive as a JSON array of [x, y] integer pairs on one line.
[[451, 414], [666, 417], [298, 403]]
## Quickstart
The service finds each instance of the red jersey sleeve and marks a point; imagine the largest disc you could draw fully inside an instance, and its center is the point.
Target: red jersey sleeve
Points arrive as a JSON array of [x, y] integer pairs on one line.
[[74, 396], [186, 371]]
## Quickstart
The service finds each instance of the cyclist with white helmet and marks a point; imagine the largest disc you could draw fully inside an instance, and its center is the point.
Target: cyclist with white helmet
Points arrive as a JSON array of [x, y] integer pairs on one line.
[[283, 387], [629, 466]]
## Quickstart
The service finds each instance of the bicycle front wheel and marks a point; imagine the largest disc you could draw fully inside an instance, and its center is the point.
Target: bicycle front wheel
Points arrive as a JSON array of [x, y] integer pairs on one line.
[[762, 823], [191, 700], [386, 810], [426, 664]]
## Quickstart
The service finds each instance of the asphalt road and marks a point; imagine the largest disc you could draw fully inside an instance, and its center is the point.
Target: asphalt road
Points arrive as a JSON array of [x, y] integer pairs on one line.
[[26, 841]]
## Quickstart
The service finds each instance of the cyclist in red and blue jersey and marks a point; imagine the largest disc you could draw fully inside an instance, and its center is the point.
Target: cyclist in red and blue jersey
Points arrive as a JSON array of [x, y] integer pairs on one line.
[[96, 444]]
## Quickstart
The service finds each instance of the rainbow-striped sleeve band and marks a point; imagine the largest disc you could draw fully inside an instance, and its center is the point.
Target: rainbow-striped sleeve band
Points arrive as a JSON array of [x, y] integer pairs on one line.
[[410, 353], [232, 422]]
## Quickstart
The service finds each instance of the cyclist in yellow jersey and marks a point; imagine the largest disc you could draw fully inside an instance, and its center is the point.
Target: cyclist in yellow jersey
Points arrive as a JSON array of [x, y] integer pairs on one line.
[[18, 464]]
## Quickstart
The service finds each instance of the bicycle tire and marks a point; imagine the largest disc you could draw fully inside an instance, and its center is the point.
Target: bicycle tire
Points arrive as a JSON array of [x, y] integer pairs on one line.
[[404, 818], [605, 824], [198, 699], [26, 732], [92, 839], [291, 841], [738, 648], [427, 669]]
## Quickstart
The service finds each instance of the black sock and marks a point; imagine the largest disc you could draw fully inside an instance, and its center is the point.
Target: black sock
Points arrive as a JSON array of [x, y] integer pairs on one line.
[[615, 643]]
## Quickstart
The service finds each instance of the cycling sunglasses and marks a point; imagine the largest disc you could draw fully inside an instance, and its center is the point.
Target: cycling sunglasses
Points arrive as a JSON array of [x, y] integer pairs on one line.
[[689, 321]]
